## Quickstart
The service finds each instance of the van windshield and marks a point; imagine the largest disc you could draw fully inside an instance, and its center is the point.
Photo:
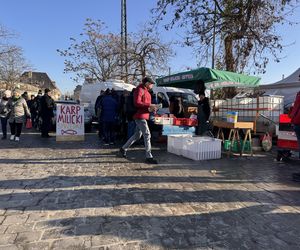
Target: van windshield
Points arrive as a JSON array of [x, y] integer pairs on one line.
[[186, 98]]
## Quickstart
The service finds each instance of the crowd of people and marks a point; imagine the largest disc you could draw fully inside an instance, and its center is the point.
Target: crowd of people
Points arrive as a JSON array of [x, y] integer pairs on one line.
[[18, 110], [121, 115]]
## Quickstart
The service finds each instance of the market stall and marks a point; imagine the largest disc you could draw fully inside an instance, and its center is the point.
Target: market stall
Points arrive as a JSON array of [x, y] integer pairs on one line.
[[212, 79]]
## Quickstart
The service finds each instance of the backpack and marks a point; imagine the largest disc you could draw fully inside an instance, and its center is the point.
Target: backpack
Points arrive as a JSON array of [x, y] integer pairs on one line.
[[130, 108]]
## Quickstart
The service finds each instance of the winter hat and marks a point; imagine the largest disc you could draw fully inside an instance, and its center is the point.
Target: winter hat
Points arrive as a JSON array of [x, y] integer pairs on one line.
[[148, 79], [7, 93]]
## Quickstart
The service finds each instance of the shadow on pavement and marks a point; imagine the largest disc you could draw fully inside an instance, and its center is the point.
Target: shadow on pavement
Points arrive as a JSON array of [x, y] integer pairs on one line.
[[96, 198], [253, 227]]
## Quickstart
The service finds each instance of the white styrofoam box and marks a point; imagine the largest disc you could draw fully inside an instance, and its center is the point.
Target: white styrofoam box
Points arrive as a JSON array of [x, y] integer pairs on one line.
[[201, 148], [175, 143], [163, 120]]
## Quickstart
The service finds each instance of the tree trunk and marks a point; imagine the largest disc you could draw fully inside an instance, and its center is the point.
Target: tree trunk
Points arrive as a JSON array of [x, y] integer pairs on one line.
[[229, 63]]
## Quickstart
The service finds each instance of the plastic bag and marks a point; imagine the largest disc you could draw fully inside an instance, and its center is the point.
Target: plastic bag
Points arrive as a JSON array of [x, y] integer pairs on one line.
[[28, 123], [266, 142]]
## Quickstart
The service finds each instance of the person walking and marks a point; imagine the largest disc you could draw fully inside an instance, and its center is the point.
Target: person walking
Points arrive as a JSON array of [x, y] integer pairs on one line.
[[18, 112], [109, 108], [4, 112], [47, 106], [295, 120], [142, 101]]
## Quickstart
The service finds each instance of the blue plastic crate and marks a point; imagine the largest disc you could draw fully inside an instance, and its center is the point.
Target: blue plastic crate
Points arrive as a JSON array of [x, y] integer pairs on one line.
[[169, 130]]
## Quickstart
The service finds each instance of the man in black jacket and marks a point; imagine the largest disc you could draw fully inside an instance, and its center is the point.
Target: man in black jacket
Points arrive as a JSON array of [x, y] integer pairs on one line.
[[47, 106], [203, 108]]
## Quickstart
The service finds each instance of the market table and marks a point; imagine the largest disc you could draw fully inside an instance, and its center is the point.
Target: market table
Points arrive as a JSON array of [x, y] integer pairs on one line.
[[234, 133]]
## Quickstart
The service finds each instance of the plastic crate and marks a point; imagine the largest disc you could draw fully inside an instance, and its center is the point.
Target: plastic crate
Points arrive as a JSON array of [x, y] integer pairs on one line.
[[287, 144], [185, 122], [175, 143], [227, 144], [175, 130], [201, 148], [284, 118]]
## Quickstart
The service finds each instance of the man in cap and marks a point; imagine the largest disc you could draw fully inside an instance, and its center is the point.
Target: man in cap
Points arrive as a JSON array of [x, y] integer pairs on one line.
[[47, 106], [142, 101]]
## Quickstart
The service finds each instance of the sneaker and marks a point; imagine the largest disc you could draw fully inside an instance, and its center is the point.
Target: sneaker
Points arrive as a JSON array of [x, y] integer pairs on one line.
[[17, 138], [106, 144], [111, 143], [12, 137], [3, 137], [151, 161], [123, 152]]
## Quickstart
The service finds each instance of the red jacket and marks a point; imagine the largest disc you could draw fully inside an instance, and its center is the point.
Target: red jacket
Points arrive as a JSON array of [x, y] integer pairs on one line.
[[295, 114], [142, 100]]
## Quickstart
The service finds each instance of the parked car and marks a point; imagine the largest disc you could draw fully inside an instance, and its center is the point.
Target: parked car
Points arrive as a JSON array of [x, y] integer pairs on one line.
[[87, 115]]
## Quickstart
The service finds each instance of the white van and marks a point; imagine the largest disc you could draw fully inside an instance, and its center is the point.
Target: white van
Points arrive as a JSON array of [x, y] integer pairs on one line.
[[90, 92]]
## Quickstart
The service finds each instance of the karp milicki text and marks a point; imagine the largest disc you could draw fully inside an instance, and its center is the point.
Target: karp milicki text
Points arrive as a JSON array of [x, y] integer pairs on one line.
[[70, 114]]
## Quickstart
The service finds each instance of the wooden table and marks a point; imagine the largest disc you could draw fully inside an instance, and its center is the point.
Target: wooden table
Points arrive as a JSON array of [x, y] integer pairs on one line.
[[234, 133]]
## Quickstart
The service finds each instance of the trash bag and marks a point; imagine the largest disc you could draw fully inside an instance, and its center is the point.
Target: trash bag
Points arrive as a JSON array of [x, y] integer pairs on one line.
[[266, 142]]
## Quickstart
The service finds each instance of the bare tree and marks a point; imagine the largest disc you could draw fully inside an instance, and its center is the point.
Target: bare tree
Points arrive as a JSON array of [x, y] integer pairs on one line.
[[95, 55], [5, 46], [245, 31], [98, 54], [12, 65], [147, 54]]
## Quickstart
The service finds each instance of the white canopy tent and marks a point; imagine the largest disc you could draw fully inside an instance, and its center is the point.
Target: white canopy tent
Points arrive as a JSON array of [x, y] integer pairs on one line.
[[287, 87]]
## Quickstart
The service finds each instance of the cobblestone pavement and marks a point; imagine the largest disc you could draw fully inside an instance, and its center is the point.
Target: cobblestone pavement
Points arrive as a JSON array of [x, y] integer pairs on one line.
[[81, 195]]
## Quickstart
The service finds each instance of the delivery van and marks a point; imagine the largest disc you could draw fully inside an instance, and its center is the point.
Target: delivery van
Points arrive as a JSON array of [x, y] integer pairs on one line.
[[90, 92]]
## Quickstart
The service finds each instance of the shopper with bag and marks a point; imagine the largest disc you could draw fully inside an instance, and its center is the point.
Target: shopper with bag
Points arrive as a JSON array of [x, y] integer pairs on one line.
[[295, 120], [18, 113], [4, 112]]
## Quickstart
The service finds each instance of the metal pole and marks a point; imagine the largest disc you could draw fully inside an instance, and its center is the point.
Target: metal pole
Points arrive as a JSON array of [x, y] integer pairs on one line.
[[124, 61]]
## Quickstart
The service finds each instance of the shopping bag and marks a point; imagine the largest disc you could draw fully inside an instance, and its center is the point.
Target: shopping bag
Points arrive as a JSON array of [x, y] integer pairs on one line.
[[28, 123], [266, 142]]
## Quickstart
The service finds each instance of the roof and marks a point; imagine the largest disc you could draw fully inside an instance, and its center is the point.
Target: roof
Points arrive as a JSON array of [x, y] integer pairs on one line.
[[40, 78], [212, 78], [293, 78]]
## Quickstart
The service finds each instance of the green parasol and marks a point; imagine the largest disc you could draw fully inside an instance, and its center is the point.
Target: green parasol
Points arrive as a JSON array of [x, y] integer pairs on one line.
[[212, 78]]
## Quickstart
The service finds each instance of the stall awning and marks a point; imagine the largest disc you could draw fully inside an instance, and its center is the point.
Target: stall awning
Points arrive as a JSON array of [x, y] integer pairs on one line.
[[213, 79]]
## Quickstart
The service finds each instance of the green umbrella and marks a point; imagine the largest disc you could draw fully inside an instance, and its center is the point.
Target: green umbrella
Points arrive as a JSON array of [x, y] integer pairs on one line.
[[212, 78]]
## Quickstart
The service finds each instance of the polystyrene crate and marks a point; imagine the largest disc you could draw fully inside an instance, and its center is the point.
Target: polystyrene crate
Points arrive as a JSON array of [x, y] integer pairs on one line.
[[163, 120], [175, 143], [201, 148]]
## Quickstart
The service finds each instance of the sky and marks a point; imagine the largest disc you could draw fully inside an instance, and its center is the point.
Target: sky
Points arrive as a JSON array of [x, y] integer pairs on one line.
[[43, 26]]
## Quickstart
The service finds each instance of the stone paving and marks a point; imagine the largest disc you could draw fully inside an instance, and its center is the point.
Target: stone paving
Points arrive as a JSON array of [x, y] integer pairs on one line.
[[81, 195]]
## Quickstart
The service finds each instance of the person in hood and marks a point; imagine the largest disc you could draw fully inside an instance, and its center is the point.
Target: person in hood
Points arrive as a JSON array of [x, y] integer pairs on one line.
[[142, 101], [4, 112], [109, 109]]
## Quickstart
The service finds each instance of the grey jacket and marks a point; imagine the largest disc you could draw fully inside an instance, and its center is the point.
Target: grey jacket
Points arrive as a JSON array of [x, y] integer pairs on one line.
[[18, 110], [3, 108]]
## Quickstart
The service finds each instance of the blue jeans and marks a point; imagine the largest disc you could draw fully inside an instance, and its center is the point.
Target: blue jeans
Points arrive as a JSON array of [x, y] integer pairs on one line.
[[297, 131], [4, 126]]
